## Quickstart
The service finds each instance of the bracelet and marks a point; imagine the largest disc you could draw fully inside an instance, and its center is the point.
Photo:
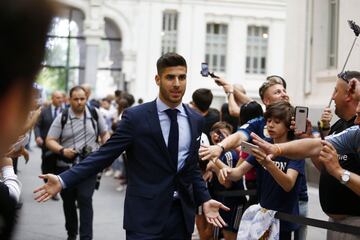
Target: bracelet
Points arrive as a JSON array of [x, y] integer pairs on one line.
[[222, 147], [279, 150]]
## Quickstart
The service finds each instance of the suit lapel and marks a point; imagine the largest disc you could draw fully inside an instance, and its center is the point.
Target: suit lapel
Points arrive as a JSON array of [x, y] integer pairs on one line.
[[193, 126], [154, 125]]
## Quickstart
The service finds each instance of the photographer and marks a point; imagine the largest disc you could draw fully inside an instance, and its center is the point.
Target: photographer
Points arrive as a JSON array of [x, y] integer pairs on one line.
[[74, 135]]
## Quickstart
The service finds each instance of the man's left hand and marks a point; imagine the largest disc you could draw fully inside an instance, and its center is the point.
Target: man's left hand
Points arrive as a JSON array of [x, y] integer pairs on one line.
[[211, 210]]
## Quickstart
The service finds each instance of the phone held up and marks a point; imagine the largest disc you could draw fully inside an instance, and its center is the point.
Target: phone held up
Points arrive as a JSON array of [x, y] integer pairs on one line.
[[205, 71], [247, 147], [301, 115]]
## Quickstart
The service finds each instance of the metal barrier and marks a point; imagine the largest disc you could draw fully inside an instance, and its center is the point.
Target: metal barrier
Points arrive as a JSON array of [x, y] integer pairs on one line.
[[339, 227]]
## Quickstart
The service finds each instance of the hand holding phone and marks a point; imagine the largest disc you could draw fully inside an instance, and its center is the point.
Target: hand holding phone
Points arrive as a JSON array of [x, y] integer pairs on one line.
[[301, 114], [204, 69], [247, 147]]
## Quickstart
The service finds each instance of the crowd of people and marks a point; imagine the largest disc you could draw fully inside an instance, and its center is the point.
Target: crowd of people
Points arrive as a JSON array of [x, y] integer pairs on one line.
[[184, 164]]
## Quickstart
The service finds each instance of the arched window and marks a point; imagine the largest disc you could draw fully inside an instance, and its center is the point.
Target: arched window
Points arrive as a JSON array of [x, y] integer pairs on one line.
[[64, 62], [110, 76]]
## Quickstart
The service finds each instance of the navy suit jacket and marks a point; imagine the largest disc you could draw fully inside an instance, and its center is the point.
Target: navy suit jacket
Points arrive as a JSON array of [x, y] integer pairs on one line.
[[152, 176]]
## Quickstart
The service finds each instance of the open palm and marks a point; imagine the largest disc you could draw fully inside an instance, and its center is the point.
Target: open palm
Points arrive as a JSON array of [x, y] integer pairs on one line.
[[49, 189]]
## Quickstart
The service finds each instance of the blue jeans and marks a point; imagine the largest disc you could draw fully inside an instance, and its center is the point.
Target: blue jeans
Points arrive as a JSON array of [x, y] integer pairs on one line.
[[300, 234]]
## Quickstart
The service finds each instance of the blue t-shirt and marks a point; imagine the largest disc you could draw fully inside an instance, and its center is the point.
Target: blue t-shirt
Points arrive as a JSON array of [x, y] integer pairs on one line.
[[255, 125], [272, 195]]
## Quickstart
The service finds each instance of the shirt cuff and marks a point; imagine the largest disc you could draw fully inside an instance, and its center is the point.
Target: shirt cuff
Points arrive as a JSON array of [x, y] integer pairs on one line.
[[8, 171], [63, 185]]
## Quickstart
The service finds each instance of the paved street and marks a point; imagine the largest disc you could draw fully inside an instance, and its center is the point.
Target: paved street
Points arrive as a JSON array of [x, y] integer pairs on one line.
[[46, 221]]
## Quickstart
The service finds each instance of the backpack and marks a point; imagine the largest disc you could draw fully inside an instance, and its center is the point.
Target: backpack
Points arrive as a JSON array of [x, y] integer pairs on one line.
[[94, 116]]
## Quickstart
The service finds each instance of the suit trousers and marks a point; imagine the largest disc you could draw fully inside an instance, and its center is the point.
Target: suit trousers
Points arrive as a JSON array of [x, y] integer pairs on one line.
[[82, 194], [175, 227]]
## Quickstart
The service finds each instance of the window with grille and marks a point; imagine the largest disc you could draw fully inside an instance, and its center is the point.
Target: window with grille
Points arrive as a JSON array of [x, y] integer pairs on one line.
[[216, 46], [169, 32], [256, 52]]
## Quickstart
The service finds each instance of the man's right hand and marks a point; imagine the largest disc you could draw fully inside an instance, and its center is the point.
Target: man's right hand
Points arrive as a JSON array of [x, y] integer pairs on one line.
[[49, 189], [326, 118], [69, 153], [39, 141], [210, 152]]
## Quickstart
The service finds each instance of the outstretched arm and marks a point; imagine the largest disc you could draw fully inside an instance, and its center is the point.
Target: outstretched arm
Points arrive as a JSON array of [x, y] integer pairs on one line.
[[214, 151], [297, 149], [49, 189]]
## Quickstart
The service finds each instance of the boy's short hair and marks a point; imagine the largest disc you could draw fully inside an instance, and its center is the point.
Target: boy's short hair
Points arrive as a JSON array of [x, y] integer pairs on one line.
[[202, 99], [282, 111], [271, 81]]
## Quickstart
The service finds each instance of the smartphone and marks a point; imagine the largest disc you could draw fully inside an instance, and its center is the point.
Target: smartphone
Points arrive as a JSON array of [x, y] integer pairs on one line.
[[204, 69], [301, 115], [246, 147]]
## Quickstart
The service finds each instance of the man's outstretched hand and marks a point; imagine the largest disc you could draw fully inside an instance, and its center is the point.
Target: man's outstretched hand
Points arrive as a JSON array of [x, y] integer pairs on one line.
[[49, 189], [211, 210]]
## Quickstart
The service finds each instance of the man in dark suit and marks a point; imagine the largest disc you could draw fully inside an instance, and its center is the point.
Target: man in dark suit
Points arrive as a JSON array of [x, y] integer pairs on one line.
[[161, 139], [47, 116]]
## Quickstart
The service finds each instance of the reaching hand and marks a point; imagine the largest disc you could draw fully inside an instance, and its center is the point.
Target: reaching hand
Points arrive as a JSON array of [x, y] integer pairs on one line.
[[39, 141], [209, 152], [208, 176], [261, 157], [49, 189], [329, 158], [300, 134], [211, 210], [326, 117], [267, 147], [225, 174]]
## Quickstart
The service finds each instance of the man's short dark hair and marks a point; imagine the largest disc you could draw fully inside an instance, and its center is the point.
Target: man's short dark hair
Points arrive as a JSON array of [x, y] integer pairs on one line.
[[76, 88], [169, 60], [202, 99], [348, 75], [24, 25]]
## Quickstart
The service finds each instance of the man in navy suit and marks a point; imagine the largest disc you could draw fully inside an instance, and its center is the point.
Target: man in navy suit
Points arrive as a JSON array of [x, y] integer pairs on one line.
[[161, 139], [47, 116]]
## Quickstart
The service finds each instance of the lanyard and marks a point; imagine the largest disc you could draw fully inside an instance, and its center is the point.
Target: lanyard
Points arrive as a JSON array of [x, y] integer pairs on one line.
[[72, 130]]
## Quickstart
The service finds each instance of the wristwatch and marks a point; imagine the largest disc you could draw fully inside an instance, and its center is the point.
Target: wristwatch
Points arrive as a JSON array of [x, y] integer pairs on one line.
[[345, 177]]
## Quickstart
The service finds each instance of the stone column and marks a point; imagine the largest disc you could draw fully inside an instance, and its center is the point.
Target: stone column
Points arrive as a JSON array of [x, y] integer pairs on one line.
[[94, 28]]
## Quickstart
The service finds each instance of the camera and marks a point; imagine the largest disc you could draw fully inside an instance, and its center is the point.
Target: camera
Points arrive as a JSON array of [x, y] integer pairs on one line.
[[84, 152]]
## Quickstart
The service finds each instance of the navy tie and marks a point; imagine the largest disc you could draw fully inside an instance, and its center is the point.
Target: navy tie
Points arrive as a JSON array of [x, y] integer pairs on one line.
[[173, 140]]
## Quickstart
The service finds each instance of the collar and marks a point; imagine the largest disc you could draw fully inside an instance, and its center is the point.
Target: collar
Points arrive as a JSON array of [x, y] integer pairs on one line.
[[73, 116], [161, 106]]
